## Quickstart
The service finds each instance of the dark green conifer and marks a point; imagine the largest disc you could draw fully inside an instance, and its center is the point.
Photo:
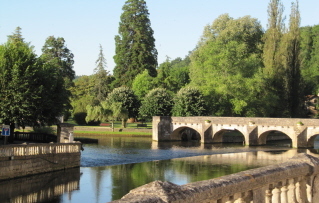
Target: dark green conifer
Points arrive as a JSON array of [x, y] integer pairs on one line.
[[135, 45]]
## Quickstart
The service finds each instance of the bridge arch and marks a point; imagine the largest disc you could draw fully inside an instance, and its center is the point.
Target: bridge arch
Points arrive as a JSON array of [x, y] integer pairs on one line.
[[219, 135], [262, 138], [185, 133]]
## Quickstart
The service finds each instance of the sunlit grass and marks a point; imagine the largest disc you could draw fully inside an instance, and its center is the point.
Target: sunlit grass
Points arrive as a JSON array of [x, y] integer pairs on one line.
[[117, 124], [111, 133]]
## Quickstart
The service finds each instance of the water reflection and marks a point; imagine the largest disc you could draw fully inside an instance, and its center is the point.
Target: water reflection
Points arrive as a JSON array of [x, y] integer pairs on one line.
[[182, 170], [46, 187]]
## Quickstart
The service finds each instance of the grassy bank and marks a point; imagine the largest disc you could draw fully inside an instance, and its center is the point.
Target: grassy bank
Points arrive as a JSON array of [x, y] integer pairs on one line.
[[110, 133]]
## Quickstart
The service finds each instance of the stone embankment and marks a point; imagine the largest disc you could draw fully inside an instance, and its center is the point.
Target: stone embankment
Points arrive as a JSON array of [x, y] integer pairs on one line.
[[296, 180], [20, 160]]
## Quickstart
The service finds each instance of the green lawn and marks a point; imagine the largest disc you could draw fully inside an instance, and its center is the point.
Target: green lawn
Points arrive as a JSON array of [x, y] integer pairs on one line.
[[112, 133], [117, 124]]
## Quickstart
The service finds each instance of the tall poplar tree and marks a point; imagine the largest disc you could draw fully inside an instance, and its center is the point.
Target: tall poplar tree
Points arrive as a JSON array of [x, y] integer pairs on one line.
[[273, 71], [135, 45], [293, 86], [273, 37]]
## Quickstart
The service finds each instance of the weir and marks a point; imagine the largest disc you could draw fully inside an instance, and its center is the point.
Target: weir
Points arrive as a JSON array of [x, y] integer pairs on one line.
[[302, 132]]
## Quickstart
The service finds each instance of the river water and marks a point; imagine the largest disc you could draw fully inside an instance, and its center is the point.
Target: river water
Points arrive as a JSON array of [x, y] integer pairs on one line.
[[114, 166]]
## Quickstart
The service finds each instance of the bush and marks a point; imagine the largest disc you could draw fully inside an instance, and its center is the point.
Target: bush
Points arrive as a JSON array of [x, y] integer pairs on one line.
[[79, 118], [189, 102], [158, 102], [47, 130]]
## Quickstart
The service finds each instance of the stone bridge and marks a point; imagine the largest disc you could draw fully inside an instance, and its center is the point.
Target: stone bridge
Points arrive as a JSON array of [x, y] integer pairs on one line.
[[302, 132]]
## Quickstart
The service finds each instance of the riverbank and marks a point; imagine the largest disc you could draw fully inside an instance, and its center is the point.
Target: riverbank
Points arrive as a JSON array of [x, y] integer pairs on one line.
[[90, 131]]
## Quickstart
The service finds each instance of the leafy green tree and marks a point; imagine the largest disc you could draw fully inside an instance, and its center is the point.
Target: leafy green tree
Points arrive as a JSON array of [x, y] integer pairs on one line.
[[173, 74], [189, 102], [19, 83], [164, 79], [31, 91], [102, 78], [135, 45], [226, 58], [105, 111], [59, 58], [158, 102], [310, 58], [127, 98], [142, 84], [180, 73], [82, 93]]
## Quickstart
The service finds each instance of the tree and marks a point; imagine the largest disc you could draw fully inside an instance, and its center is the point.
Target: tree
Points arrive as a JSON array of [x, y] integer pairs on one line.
[[142, 84], [107, 111], [114, 111], [59, 58], [226, 58], [158, 102], [20, 91], [32, 93], [293, 86], [180, 73], [135, 45], [58, 55], [82, 96], [281, 55], [189, 102], [127, 98], [102, 79], [272, 39], [310, 58], [273, 68], [16, 36]]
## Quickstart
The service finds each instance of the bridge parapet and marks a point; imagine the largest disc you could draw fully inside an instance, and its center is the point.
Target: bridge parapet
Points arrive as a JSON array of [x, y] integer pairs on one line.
[[296, 180]]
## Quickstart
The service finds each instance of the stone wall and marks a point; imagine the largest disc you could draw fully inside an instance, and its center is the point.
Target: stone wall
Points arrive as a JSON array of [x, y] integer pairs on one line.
[[293, 181], [24, 160]]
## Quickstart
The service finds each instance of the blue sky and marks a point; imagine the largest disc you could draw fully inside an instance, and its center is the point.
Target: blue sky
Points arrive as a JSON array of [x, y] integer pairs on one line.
[[84, 24]]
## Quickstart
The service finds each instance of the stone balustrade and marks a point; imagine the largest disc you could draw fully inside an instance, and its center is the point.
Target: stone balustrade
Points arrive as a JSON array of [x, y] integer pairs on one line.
[[38, 149], [294, 181]]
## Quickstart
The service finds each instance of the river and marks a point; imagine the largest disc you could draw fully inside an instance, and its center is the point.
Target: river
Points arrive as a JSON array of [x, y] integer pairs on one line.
[[116, 165]]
